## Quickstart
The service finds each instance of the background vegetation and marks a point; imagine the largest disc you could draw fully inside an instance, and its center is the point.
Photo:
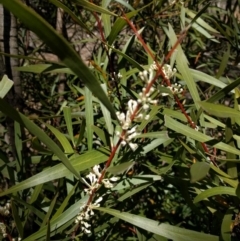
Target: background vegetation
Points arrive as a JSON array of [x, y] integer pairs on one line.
[[176, 178]]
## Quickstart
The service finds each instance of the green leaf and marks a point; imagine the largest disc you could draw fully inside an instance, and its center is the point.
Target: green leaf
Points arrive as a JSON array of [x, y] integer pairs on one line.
[[101, 134], [65, 203], [89, 117], [213, 192], [92, 7], [79, 163], [133, 191], [231, 166], [45, 68], [68, 120], [17, 219], [175, 114], [232, 183], [224, 62], [137, 180], [196, 135], [120, 168], [73, 16], [171, 232], [155, 143], [62, 139], [60, 46], [223, 92], [202, 30], [49, 212], [198, 171], [5, 85], [219, 171], [107, 116], [200, 76], [157, 134], [200, 21], [182, 66], [226, 224], [18, 144], [220, 110], [118, 26], [162, 170]]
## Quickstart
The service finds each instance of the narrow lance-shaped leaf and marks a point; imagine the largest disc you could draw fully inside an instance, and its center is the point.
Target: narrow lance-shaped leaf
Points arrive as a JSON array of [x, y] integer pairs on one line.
[[68, 120], [5, 85], [60, 46], [171, 232], [215, 191], [220, 110], [196, 135], [80, 163]]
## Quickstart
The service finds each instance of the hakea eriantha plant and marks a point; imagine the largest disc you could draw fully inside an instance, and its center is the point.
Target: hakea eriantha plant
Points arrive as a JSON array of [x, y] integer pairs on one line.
[[137, 110]]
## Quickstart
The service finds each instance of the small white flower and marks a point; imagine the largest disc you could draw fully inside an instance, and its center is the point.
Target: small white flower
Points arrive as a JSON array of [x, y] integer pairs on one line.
[[114, 179], [145, 73], [132, 105], [153, 66], [139, 117], [164, 94], [6, 213], [133, 146], [119, 75], [97, 202], [93, 183], [145, 106], [130, 137], [86, 225], [168, 71], [96, 170], [154, 102], [151, 75], [92, 177], [8, 205], [134, 129], [107, 184], [147, 117], [121, 116], [151, 90], [123, 143]]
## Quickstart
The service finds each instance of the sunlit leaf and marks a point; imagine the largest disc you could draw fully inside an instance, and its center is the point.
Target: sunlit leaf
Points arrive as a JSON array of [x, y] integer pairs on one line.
[[5, 85], [213, 192]]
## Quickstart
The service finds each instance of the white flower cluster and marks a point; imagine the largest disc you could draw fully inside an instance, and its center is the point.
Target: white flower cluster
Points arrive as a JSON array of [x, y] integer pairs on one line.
[[168, 71], [137, 109], [175, 89], [4, 210], [86, 212], [3, 230], [94, 177], [19, 239]]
